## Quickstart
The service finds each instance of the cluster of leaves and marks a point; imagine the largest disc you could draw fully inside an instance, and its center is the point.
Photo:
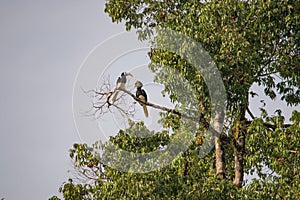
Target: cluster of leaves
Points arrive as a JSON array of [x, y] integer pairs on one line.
[[189, 175], [251, 42], [274, 154]]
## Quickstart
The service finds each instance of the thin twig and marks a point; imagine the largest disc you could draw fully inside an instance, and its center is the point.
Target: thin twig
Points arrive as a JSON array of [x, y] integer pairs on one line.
[[250, 113]]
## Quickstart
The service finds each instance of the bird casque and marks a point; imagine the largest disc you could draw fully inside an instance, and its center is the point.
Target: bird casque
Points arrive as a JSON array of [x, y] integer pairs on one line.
[[141, 94], [121, 83]]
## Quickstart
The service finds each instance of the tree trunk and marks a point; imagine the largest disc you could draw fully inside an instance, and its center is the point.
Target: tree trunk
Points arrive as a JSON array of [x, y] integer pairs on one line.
[[220, 164], [239, 149], [239, 146]]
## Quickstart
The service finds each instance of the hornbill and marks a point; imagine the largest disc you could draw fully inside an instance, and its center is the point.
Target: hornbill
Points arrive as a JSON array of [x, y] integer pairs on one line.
[[141, 94], [120, 84]]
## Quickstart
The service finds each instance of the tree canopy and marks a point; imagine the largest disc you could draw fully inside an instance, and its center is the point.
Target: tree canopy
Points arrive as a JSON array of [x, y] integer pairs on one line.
[[251, 42]]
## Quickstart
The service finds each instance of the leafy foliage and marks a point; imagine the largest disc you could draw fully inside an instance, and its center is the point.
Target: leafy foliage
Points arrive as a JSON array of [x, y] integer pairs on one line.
[[191, 176], [252, 42]]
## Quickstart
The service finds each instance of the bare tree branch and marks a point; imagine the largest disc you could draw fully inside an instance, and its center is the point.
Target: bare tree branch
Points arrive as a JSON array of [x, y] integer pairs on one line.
[[250, 113], [196, 119], [268, 125]]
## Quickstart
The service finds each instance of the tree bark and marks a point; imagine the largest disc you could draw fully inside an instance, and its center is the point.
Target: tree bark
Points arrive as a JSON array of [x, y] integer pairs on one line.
[[239, 150], [220, 163], [239, 147]]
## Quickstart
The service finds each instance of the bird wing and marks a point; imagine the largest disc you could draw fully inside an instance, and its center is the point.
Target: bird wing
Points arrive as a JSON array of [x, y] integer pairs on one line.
[[145, 95]]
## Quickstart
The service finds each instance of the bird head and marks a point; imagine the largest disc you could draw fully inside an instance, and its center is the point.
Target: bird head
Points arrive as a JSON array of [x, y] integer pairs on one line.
[[138, 84], [126, 74]]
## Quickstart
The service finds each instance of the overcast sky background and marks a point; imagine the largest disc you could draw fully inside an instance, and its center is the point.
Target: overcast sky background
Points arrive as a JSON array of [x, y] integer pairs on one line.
[[43, 43]]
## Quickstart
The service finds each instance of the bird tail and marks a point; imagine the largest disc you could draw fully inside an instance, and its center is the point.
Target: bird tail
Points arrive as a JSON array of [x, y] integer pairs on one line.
[[114, 97], [145, 110]]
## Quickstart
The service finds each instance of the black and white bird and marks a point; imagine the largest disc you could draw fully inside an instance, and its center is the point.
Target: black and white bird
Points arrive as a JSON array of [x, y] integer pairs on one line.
[[141, 94], [121, 82]]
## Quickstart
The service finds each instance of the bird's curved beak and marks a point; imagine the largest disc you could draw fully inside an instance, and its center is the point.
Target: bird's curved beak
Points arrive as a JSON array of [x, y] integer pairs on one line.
[[128, 74]]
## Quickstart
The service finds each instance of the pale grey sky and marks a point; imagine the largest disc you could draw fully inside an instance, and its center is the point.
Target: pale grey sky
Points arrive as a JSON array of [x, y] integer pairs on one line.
[[43, 43]]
